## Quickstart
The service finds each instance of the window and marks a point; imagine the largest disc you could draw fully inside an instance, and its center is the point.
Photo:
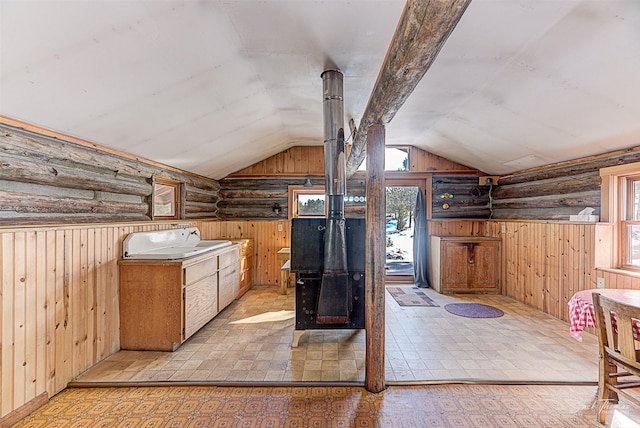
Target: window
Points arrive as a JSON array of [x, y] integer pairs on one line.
[[620, 195], [166, 199], [630, 222], [306, 202], [395, 159]]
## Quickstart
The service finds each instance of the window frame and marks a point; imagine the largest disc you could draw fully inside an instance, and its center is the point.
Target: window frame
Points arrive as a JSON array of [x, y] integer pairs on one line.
[[177, 198], [626, 204], [362, 168], [294, 191], [616, 209]]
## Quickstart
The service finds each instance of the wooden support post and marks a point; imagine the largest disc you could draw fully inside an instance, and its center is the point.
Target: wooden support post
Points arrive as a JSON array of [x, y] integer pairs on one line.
[[375, 259]]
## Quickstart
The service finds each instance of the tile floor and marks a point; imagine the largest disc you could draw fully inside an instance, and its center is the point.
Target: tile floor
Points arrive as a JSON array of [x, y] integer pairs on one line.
[[422, 344]]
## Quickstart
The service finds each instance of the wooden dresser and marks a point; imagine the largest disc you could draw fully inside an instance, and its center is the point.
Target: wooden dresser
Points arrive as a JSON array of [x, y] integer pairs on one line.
[[465, 264], [164, 302]]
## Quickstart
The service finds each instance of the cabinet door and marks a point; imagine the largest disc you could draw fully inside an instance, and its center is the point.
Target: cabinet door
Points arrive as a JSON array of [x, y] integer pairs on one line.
[[486, 268], [455, 265], [200, 304], [228, 286]]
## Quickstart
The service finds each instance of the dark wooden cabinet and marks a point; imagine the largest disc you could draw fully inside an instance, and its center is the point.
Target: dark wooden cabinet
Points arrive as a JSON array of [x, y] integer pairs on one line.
[[465, 264]]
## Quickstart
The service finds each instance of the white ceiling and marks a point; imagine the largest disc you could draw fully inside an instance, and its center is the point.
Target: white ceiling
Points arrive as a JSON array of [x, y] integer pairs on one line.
[[214, 86]]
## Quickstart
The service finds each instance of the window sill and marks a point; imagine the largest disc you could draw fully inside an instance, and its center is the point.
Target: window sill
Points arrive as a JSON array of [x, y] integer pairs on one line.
[[624, 272]]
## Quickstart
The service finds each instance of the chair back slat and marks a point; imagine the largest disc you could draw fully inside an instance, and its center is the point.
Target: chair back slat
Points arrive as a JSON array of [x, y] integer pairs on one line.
[[618, 320], [619, 358]]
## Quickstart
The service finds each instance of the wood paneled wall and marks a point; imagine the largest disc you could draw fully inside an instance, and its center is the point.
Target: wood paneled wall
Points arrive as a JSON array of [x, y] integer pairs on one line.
[[299, 160], [619, 279], [46, 180], [59, 305], [309, 161], [421, 161], [59, 297], [545, 263], [268, 237]]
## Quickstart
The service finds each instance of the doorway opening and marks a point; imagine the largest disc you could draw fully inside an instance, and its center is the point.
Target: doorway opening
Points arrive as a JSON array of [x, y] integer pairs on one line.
[[400, 208]]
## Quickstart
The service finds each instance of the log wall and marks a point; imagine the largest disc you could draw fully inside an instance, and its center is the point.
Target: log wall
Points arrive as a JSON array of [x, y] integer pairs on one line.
[[253, 198], [47, 180], [250, 193], [556, 191], [467, 198]]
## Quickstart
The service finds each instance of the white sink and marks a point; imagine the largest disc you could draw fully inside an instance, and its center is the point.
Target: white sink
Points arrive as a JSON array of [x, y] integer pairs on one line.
[[168, 244]]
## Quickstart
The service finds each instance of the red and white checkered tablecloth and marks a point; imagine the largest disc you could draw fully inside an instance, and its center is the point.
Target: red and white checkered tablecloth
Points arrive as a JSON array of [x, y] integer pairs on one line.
[[582, 315]]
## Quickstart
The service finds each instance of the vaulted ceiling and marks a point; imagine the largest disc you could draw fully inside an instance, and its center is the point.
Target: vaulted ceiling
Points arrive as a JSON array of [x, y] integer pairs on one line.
[[213, 86]]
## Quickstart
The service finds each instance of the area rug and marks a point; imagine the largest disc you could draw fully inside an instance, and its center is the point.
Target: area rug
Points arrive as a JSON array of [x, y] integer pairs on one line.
[[473, 310], [410, 296]]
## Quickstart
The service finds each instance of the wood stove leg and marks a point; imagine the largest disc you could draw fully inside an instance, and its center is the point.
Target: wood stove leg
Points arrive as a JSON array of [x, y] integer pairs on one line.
[[297, 334]]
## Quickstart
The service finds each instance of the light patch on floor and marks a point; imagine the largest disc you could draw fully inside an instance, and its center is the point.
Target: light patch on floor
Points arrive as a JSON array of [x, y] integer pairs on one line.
[[267, 317]]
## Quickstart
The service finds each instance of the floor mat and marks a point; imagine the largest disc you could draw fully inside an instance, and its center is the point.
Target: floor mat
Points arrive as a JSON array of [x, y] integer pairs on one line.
[[410, 296], [473, 310]]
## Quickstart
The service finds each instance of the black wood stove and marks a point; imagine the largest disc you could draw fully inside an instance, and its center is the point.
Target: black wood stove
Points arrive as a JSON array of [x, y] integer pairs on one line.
[[327, 254]]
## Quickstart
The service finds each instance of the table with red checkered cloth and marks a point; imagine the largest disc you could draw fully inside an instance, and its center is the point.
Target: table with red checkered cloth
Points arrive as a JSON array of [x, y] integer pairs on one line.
[[582, 315]]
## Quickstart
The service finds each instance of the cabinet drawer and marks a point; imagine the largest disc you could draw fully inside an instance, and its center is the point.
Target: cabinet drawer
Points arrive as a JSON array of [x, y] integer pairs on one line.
[[228, 258], [198, 271]]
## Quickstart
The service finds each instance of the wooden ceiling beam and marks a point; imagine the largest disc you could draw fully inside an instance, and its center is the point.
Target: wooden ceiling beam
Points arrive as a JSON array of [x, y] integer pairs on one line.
[[422, 30]]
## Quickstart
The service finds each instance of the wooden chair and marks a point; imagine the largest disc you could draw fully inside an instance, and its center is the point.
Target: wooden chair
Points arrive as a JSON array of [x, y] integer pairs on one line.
[[619, 354]]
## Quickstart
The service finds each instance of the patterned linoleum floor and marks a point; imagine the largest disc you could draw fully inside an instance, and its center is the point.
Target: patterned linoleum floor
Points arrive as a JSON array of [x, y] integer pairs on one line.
[[250, 341], [436, 406]]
